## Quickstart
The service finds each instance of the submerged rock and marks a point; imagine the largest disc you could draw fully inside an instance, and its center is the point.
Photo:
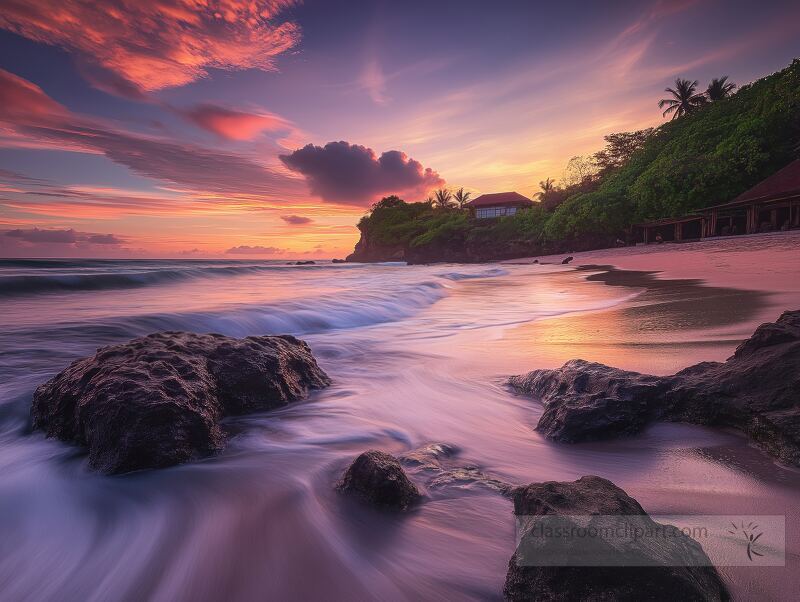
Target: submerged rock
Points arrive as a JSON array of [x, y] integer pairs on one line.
[[377, 478], [603, 567], [158, 400], [757, 390]]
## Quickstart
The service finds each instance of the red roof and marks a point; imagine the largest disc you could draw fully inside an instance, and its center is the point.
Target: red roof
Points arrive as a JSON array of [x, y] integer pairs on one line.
[[782, 184], [500, 199]]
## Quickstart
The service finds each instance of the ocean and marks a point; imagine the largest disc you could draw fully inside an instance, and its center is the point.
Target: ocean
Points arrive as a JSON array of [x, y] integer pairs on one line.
[[417, 355]]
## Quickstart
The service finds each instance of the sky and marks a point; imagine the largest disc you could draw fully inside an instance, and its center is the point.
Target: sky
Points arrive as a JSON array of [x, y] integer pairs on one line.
[[266, 128]]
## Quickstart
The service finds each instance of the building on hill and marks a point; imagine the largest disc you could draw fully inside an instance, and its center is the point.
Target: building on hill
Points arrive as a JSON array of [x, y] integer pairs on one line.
[[498, 204], [772, 204]]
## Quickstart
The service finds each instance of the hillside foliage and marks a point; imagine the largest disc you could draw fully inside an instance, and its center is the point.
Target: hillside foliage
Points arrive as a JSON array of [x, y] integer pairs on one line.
[[705, 157]]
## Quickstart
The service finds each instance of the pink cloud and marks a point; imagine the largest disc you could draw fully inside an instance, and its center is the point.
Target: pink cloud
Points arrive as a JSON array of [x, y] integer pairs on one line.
[[155, 44], [33, 116], [353, 174], [233, 124]]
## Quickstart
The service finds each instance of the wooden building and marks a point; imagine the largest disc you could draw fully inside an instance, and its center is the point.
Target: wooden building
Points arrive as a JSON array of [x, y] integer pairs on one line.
[[498, 204], [671, 229], [772, 204]]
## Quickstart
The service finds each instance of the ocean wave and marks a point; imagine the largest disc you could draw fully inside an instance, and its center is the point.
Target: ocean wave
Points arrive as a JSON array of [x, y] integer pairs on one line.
[[27, 284], [487, 273]]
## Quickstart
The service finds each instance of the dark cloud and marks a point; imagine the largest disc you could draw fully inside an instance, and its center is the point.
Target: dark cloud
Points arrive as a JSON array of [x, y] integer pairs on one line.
[[104, 239], [255, 250], [37, 236], [353, 174], [296, 220]]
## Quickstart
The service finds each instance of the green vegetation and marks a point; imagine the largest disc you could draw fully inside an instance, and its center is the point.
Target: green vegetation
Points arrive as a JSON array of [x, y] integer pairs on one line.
[[719, 147]]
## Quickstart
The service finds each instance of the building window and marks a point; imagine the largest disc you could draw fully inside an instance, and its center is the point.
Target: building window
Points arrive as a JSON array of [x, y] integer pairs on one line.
[[488, 212]]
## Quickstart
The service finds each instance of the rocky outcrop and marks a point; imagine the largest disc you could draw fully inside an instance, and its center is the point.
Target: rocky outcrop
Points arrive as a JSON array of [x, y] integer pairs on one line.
[[757, 390], [585, 400], [607, 566], [158, 400], [377, 478], [368, 250]]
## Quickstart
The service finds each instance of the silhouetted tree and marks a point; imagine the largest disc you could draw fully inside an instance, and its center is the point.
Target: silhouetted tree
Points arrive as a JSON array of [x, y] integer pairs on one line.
[[579, 170], [461, 197], [685, 99], [719, 88], [547, 186], [619, 148], [388, 201], [442, 198]]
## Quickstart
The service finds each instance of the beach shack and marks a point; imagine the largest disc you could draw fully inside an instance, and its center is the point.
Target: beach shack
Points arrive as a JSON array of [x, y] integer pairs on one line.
[[772, 204], [671, 229], [498, 204]]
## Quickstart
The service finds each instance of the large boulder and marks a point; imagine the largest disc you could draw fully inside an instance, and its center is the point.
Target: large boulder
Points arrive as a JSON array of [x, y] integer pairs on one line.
[[158, 400], [586, 400], [606, 566], [757, 390], [377, 478]]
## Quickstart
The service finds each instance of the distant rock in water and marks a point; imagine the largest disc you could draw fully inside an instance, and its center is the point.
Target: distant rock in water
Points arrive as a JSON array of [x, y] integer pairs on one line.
[[377, 478], [757, 390], [158, 400], [566, 260], [669, 568]]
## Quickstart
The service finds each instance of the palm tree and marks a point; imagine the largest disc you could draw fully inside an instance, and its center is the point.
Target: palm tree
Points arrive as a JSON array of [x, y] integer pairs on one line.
[[461, 197], [429, 200], [719, 88], [442, 198], [684, 99], [547, 186]]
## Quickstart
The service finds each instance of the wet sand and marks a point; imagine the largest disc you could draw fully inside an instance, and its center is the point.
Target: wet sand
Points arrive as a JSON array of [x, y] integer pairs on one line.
[[696, 302]]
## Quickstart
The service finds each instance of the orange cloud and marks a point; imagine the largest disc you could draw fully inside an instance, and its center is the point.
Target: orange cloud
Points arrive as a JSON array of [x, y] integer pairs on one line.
[[233, 124], [155, 44]]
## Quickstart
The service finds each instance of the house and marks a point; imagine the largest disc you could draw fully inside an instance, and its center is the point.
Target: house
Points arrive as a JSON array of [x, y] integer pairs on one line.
[[498, 204], [772, 204]]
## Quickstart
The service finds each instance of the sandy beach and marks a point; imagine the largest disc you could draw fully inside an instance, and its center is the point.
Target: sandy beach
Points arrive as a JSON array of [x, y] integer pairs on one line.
[[694, 302]]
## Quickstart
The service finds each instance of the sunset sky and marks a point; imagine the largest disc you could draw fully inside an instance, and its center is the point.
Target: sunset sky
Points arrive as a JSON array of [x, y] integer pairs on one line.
[[265, 128]]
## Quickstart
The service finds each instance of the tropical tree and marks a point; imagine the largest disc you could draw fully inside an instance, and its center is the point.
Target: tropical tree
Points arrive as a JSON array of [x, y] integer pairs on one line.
[[429, 200], [547, 186], [461, 197], [719, 88], [685, 99], [442, 198]]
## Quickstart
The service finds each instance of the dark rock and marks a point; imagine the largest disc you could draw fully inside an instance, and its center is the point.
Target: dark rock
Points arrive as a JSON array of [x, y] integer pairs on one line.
[[377, 477], [601, 568], [306, 262], [585, 400], [757, 390], [157, 400], [338, 261], [566, 260]]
